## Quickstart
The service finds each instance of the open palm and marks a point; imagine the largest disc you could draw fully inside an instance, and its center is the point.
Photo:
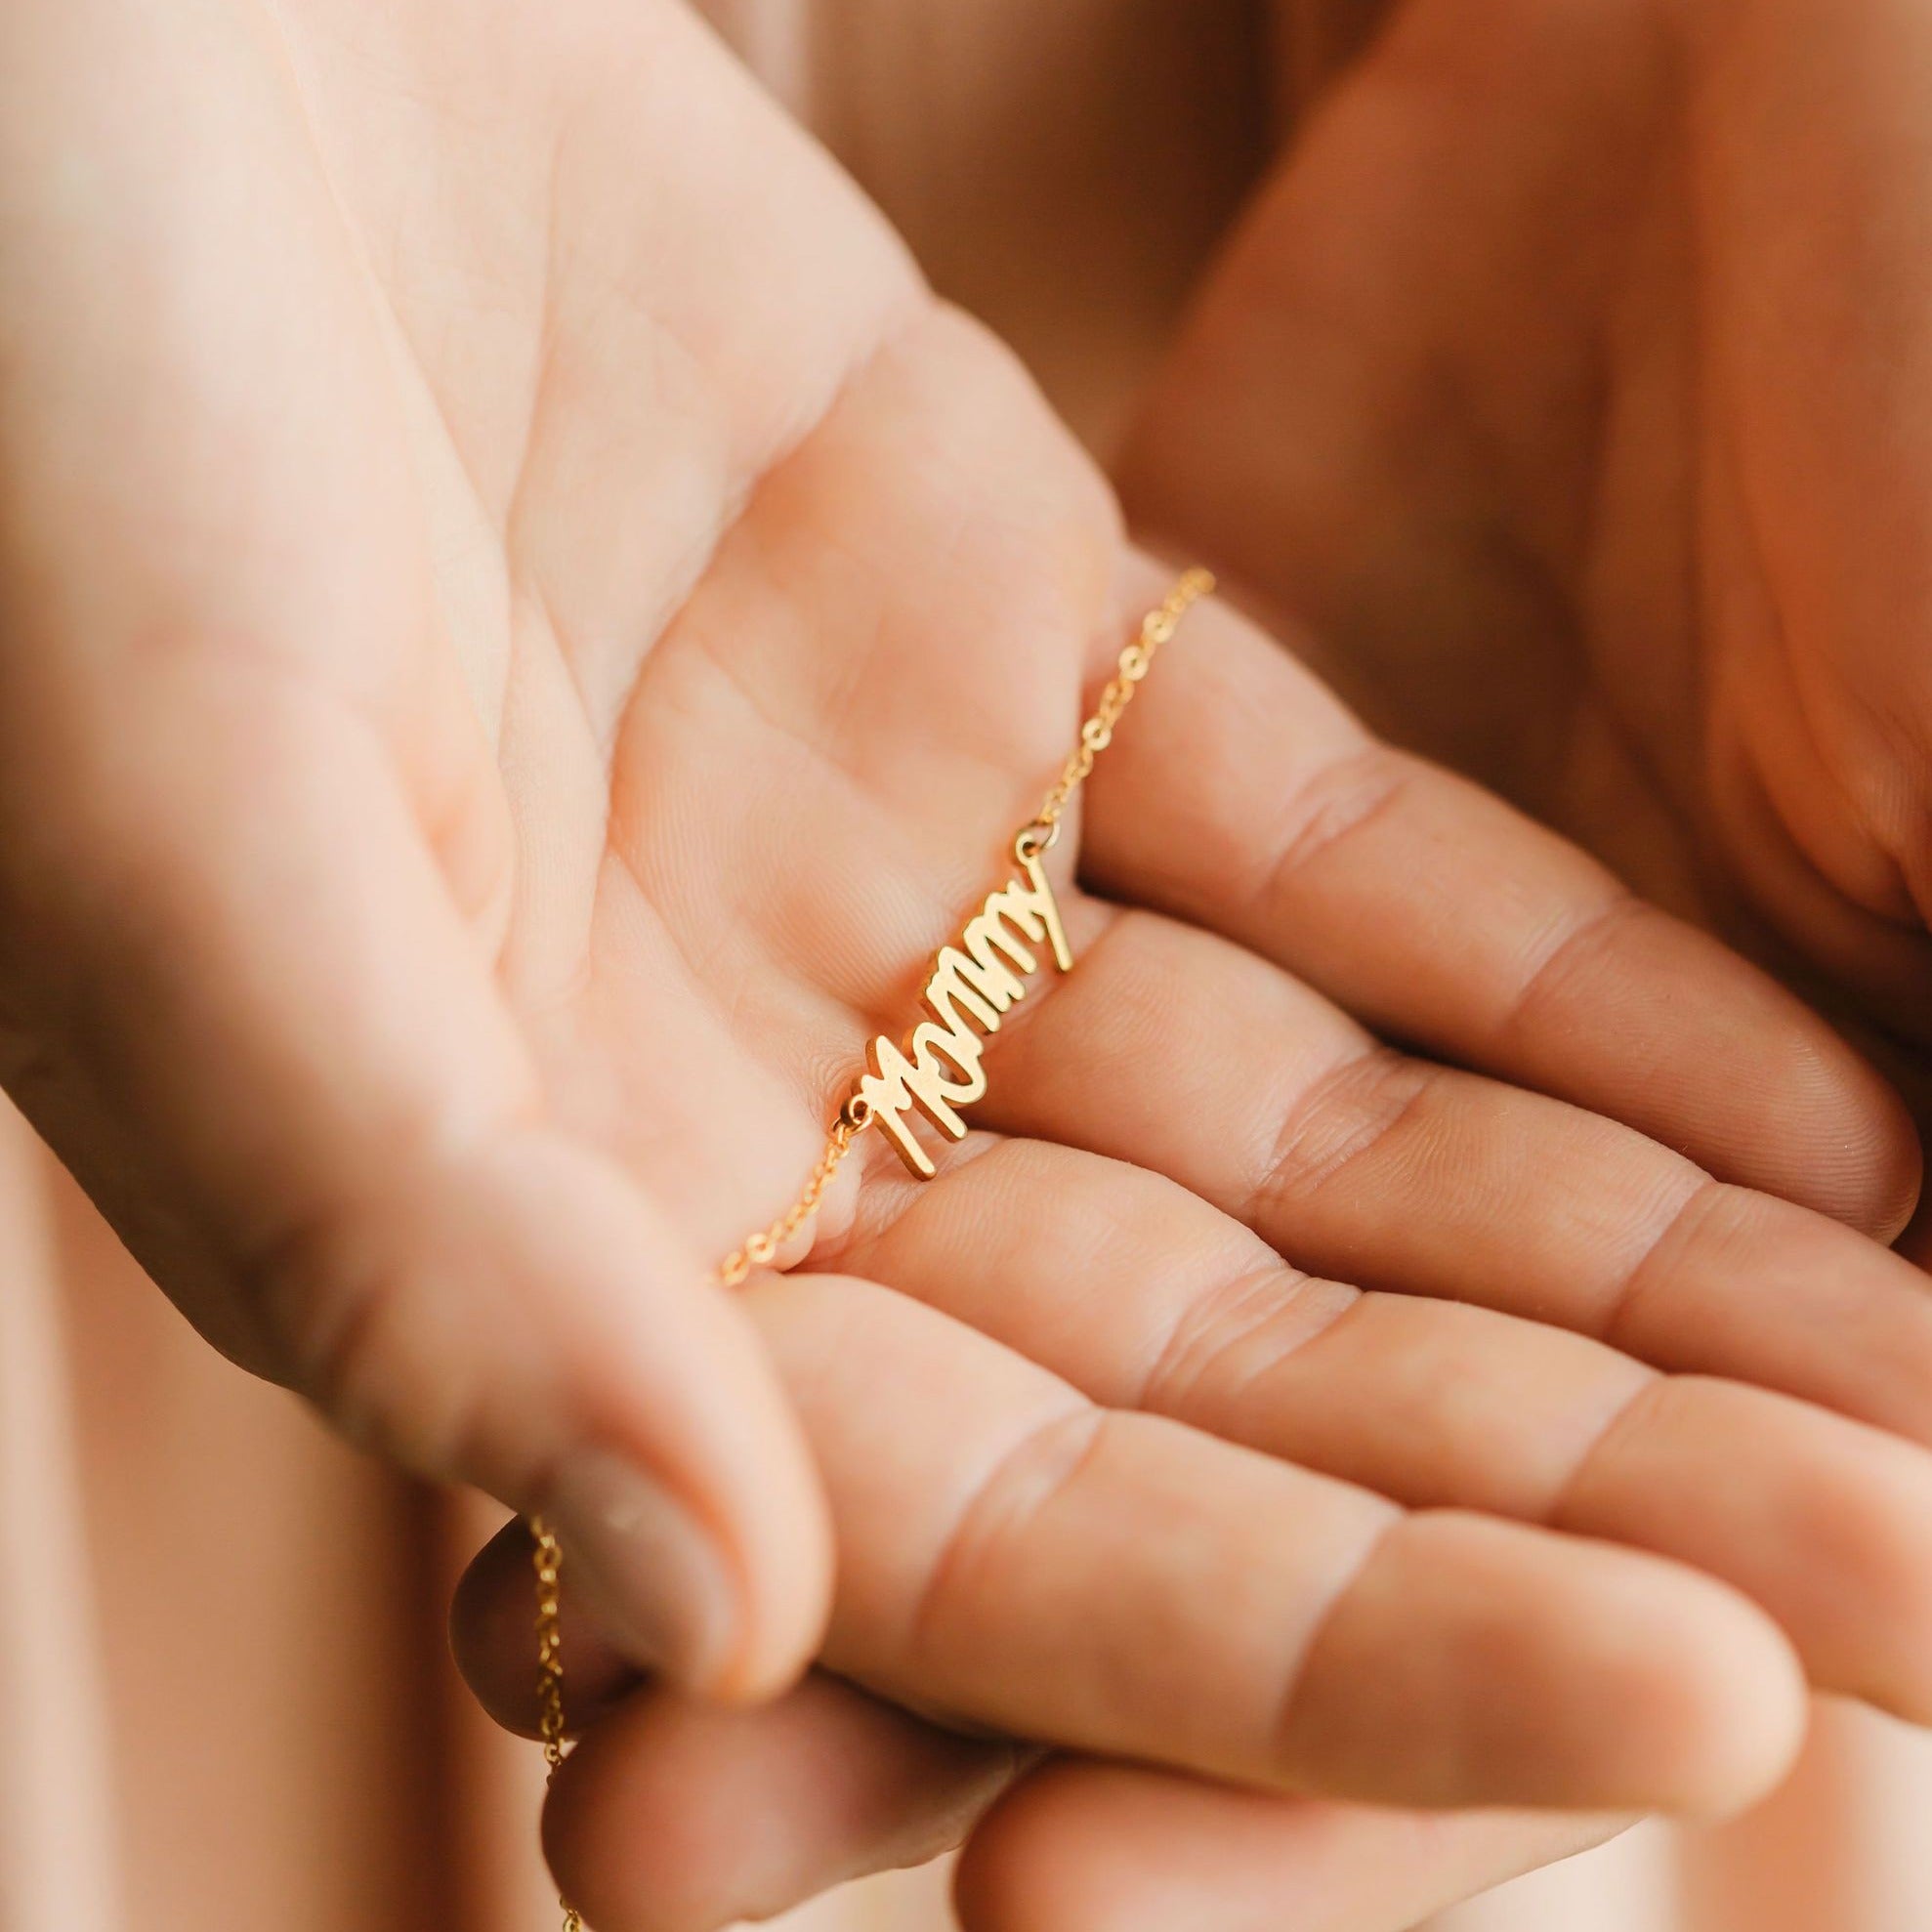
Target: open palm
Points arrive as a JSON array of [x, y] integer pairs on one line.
[[1560, 395], [524, 625]]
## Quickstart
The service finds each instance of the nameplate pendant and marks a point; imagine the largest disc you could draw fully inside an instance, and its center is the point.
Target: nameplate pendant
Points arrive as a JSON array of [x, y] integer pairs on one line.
[[973, 985]]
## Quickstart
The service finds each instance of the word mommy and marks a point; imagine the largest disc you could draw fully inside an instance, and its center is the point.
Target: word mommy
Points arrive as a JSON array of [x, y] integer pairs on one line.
[[941, 1068]]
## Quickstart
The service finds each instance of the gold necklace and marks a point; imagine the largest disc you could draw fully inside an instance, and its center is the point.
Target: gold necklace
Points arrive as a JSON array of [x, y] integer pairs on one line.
[[938, 1069]]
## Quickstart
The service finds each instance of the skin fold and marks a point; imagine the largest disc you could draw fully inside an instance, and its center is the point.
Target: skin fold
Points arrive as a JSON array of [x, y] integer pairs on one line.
[[582, 622]]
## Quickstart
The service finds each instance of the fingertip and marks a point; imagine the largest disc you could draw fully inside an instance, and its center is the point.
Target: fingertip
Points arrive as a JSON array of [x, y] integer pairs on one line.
[[632, 1851], [1082, 1845], [1718, 1059], [675, 1475], [1875, 1540], [1824, 1521], [1028, 1868], [1727, 1718], [493, 1639], [1556, 1674], [1689, 1700], [1861, 1163], [786, 1576], [704, 1608], [675, 1815], [488, 1622]]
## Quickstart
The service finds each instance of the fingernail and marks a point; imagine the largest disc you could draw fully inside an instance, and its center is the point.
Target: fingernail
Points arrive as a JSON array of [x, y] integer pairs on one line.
[[656, 1583]]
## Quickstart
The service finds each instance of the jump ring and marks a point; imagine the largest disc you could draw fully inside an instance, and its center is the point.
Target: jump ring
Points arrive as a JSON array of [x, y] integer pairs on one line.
[[1035, 839]]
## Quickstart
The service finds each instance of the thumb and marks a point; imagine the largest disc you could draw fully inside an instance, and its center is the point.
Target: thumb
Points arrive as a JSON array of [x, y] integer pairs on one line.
[[238, 999]]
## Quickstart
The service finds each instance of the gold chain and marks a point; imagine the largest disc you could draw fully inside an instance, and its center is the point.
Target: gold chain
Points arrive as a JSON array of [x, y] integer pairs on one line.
[[549, 1561], [1097, 733], [854, 1115], [761, 1249]]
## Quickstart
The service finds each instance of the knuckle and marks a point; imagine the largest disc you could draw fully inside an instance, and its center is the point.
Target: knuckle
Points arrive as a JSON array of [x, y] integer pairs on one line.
[[1340, 1120], [1012, 1492], [1572, 951], [1233, 1335], [1339, 799], [1707, 1206]]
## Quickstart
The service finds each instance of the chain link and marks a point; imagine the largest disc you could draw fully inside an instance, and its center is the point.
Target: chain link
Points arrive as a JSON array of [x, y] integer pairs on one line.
[[761, 1249], [1097, 733], [854, 1115], [548, 1558]]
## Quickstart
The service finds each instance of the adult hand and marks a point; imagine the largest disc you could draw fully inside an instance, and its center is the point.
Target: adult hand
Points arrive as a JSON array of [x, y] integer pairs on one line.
[[1556, 390], [513, 1023], [1550, 399], [687, 1818]]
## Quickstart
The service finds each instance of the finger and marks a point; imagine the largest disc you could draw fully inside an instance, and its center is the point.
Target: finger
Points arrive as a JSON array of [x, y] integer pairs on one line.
[[677, 1817], [255, 865], [1173, 1049], [492, 1637], [1085, 1847], [1246, 800], [681, 1817], [1120, 1583], [1825, 1523], [249, 1014]]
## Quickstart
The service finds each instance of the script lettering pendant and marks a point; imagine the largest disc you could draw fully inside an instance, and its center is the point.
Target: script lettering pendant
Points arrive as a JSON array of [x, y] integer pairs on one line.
[[973, 984]]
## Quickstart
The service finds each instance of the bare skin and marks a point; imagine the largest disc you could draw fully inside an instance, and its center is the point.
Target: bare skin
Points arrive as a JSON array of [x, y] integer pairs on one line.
[[1553, 391], [1558, 399], [647, 1826], [549, 625]]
